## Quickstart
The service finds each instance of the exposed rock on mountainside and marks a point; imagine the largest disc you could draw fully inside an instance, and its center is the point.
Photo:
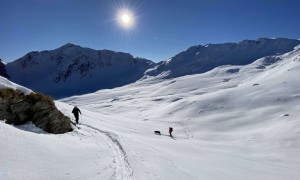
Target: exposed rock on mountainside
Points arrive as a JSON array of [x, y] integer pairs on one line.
[[3, 70], [17, 108]]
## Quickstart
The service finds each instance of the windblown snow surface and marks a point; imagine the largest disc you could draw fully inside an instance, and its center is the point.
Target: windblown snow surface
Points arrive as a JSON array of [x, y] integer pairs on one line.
[[231, 123]]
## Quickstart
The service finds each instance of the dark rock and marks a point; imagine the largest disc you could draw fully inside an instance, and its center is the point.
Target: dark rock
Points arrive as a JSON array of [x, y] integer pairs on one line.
[[3, 70], [17, 108], [232, 71]]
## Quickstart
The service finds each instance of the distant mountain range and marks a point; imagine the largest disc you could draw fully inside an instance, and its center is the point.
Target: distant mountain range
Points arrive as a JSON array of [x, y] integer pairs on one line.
[[73, 70], [200, 59]]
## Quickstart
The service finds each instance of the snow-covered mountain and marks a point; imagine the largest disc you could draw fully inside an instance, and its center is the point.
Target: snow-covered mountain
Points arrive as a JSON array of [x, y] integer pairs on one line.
[[71, 70], [230, 123], [199, 59]]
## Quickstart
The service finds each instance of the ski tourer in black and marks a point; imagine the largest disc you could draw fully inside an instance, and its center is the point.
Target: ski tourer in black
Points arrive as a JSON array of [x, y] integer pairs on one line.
[[76, 112]]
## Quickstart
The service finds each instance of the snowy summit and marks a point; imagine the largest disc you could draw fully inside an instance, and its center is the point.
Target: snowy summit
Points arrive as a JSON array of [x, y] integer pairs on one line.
[[71, 70]]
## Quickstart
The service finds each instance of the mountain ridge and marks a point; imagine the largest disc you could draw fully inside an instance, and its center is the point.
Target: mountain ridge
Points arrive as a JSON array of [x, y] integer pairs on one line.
[[73, 70], [202, 58]]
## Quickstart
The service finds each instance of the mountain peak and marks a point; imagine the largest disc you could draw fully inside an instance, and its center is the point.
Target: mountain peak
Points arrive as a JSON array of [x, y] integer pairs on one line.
[[70, 45], [72, 69]]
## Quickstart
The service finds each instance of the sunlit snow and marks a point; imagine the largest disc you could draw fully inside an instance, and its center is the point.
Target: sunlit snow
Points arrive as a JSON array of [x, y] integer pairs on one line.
[[233, 122]]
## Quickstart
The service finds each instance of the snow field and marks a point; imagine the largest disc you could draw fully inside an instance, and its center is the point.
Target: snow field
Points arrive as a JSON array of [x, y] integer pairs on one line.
[[234, 122]]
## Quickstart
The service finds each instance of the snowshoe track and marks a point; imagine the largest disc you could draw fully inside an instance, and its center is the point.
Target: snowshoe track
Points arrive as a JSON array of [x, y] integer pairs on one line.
[[123, 169]]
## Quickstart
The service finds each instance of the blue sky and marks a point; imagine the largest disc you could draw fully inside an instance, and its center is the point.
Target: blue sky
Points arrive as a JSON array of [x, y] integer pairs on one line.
[[162, 28]]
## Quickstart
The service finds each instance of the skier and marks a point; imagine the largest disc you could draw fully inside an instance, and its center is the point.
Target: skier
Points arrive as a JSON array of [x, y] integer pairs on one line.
[[76, 112], [170, 131]]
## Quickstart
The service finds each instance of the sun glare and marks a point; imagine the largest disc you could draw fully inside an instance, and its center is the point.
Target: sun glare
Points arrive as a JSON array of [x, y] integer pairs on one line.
[[126, 19]]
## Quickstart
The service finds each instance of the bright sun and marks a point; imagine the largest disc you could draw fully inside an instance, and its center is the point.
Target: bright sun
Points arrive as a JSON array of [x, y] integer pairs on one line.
[[126, 19]]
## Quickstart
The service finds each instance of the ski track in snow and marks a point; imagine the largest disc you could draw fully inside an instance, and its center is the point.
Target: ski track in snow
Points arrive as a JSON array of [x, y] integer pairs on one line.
[[186, 130], [123, 169]]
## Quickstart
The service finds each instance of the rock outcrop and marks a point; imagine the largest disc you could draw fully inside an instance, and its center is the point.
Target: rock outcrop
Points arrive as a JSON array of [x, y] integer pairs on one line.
[[3, 70], [17, 108]]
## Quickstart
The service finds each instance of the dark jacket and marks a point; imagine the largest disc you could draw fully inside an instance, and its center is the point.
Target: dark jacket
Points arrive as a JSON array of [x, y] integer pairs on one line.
[[76, 111]]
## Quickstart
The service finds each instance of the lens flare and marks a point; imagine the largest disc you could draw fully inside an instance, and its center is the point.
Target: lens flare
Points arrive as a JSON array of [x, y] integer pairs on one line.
[[126, 19]]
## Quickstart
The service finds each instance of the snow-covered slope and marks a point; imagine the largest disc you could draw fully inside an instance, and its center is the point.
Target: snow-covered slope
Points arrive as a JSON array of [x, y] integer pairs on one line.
[[199, 59], [233, 122], [71, 70], [5, 83]]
